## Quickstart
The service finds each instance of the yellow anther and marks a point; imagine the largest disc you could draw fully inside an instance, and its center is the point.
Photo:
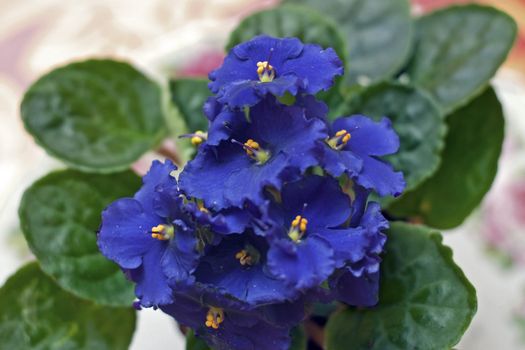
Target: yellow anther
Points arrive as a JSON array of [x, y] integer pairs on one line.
[[302, 226], [159, 228], [265, 71], [201, 207], [162, 233], [214, 317], [196, 140], [244, 257], [298, 228], [340, 133], [198, 137], [339, 140], [251, 145]]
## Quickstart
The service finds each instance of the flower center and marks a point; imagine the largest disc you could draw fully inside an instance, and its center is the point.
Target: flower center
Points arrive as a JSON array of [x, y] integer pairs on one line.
[[162, 232], [201, 207], [197, 137], [339, 140], [214, 317], [297, 228], [248, 256], [254, 151], [265, 71], [244, 257]]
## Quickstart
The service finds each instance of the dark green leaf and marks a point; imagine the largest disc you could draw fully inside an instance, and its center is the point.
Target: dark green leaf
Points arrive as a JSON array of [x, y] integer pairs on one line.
[[194, 343], [458, 50], [189, 95], [417, 121], [425, 301], [38, 315], [97, 115], [378, 34], [468, 167], [60, 215], [290, 21], [299, 339]]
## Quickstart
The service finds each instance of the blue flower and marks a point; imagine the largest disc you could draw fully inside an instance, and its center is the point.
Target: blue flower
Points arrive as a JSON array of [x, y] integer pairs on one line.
[[223, 121], [357, 283], [267, 65], [354, 148], [151, 236], [226, 324], [277, 144], [237, 267], [311, 239]]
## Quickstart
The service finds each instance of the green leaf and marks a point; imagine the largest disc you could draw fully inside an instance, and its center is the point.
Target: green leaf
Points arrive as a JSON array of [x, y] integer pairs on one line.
[[458, 50], [194, 343], [38, 315], [468, 167], [60, 215], [425, 301], [417, 121], [299, 339], [96, 115], [378, 35], [291, 21], [189, 96]]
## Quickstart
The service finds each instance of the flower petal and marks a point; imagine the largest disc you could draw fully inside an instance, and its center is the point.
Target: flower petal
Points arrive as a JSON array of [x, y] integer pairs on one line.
[[125, 233], [303, 265]]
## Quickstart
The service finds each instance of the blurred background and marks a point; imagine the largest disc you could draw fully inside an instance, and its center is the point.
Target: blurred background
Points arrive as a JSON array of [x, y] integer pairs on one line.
[[168, 38]]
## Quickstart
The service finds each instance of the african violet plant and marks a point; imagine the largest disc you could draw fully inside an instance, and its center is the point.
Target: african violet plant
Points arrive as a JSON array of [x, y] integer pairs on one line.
[[323, 121]]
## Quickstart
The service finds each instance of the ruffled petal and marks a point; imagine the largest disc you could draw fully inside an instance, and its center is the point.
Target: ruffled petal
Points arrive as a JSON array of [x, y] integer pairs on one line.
[[152, 287], [303, 265], [317, 66], [159, 175], [200, 176], [224, 125], [357, 291], [336, 163], [181, 257], [318, 199], [252, 284], [369, 138], [349, 244], [380, 176], [125, 233]]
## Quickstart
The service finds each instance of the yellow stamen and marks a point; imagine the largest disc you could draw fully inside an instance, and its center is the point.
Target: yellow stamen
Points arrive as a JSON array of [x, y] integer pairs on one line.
[[251, 144], [201, 207], [244, 258], [339, 140], [265, 71], [214, 317], [162, 233], [340, 133], [159, 228], [198, 137], [298, 228]]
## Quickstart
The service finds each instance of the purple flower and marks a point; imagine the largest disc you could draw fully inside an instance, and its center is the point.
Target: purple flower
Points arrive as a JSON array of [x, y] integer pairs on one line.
[[357, 283], [226, 324], [150, 236], [267, 65], [354, 149], [277, 144], [237, 267], [312, 238]]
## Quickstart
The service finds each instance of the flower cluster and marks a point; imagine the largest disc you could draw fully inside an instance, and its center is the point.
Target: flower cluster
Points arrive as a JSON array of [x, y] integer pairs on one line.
[[271, 215]]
